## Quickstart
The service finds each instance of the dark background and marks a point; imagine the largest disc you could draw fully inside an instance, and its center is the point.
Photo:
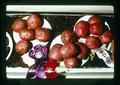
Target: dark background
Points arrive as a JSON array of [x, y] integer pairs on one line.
[[66, 2], [60, 81]]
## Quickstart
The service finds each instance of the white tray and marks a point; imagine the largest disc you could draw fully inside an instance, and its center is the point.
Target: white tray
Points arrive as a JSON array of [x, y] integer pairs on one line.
[[92, 73]]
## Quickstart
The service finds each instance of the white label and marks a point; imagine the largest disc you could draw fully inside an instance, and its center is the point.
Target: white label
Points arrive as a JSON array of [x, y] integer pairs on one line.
[[103, 54]]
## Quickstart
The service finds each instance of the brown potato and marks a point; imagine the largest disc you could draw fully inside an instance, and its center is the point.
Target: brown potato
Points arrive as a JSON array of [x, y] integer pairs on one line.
[[71, 62], [106, 37], [22, 47], [82, 29], [93, 42], [18, 25], [68, 50], [42, 34], [54, 52], [95, 19], [96, 29], [68, 36], [34, 21], [27, 34]]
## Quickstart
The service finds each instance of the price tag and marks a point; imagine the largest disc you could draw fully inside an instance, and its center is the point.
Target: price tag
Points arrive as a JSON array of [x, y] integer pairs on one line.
[[105, 56]]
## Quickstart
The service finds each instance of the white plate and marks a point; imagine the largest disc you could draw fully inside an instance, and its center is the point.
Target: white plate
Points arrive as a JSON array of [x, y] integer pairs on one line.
[[86, 18], [10, 45], [26, 59], [17, 38], [104, 47]]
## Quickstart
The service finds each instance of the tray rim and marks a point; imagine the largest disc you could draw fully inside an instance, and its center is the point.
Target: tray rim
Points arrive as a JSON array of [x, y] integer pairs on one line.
[[61, 8], [76, 73]]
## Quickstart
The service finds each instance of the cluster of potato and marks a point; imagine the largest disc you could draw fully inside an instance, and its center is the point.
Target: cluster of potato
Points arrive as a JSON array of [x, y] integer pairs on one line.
[[28, 30], [72, 51]]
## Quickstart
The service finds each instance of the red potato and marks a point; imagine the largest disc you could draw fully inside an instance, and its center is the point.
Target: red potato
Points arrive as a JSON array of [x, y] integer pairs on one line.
[[54, 53], [71, 62], [96, 29], [34, 21], [82, 24], [22, 47], [68, 50], [27, 34], [93, 42], [83, 50], [18, 25], [95, 19], [42, 34], [106, 37], [82, 29], [68, 36]]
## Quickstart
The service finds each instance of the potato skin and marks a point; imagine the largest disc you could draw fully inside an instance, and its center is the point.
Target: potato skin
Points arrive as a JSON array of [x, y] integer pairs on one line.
[[18, 25], [22, 47], [68, 36], [82, 29], [96, 29], [34, 21], [95, 19], [106, 37], [54, 53], [27, 34], [71, 62], [93, 42], [68, 50], [42, 34]]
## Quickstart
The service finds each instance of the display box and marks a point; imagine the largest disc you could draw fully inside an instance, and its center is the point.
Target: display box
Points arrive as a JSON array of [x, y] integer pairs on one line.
[[99, 62]]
